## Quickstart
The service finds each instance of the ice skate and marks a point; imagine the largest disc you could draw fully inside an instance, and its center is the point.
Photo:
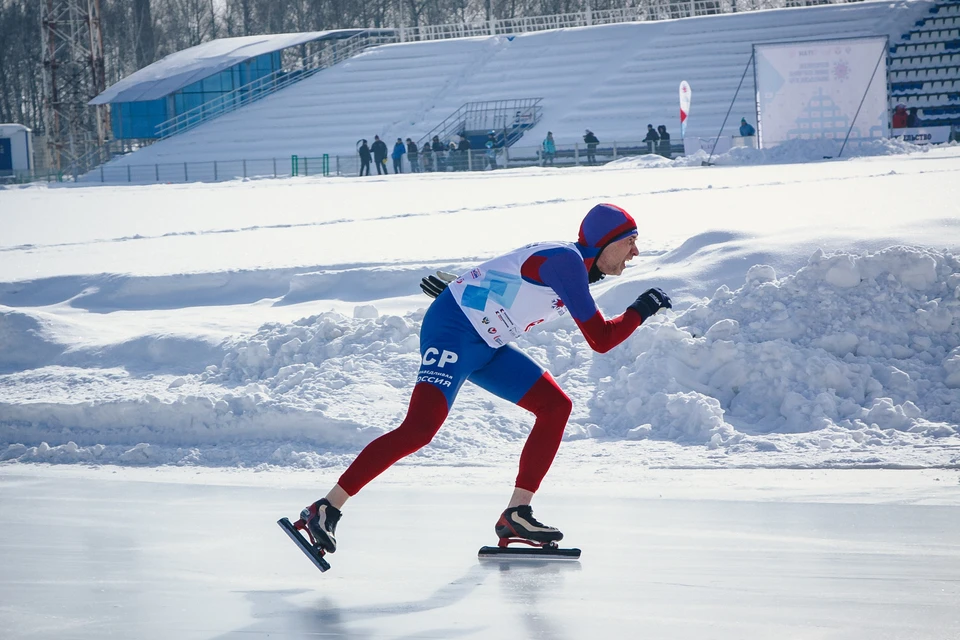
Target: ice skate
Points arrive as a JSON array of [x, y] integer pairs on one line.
[[519, 523], [319, 520], [518, 526]]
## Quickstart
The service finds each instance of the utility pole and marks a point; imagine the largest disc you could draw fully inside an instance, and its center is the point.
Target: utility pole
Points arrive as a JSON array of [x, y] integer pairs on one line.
[[73, 74]]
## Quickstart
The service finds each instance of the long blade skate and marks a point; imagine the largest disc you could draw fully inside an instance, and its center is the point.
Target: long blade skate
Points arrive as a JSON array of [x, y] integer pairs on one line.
[[532, 551], [309, 548]]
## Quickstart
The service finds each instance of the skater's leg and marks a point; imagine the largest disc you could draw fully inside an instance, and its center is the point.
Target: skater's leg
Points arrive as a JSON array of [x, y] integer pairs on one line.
[[514, 376], [552, 407], [450, 351], [427, 411]]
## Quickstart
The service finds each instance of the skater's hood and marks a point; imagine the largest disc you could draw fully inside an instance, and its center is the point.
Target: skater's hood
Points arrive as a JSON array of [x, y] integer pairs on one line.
[[603, 224]]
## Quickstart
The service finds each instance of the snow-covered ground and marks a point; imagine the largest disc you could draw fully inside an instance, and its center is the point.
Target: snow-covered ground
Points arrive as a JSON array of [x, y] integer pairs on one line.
[[199, 360], [275, 322]]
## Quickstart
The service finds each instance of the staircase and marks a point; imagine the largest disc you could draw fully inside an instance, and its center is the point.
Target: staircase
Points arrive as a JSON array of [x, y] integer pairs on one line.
[[506, 119]]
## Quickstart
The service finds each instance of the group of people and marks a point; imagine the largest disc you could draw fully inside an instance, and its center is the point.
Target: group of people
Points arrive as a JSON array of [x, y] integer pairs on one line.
[[435, 155], [658, 140], [903, 119]]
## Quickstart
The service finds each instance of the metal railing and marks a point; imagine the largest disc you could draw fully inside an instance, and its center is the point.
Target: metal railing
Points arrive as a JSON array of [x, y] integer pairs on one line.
[[649, 10], [509, 118], [573, 154], [337, 51]]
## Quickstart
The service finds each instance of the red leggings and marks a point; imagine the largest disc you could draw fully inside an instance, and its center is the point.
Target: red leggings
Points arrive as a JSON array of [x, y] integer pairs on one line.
[[428, 410]]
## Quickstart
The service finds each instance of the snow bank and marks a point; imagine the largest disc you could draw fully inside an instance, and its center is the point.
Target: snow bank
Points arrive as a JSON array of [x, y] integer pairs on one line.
[[789, 152], [849, 351], [851, 354]]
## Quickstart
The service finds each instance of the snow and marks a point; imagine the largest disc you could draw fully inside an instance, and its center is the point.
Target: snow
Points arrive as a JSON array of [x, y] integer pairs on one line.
[[276, 322]]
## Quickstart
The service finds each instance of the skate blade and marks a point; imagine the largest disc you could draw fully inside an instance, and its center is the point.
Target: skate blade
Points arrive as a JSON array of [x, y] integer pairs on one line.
[[316, 556], [532, 553]]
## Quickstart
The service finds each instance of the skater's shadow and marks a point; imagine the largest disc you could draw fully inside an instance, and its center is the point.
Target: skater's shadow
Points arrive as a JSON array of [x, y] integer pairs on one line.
[[523, 584], [278, 616]]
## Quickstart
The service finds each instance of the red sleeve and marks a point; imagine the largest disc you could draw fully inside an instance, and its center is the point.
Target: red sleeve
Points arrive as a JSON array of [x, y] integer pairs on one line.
[[603, 335]]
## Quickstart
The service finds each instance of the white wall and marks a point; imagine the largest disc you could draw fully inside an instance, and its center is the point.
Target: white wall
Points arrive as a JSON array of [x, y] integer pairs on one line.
[[21, 146]]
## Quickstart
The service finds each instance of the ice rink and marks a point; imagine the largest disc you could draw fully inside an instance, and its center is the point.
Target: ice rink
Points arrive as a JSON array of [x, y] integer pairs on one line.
[[196, 554]]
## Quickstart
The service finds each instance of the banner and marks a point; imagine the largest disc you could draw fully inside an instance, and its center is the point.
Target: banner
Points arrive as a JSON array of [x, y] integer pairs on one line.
[[821, 89], [685, 96], [923, 135]]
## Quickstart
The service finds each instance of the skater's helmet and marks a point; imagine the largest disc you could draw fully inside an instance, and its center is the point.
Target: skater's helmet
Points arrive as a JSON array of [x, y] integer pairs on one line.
[[604, 224]]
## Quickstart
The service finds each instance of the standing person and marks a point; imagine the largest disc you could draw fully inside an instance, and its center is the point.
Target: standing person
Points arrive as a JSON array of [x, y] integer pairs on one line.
[[439, 153], [549, 149], [468, 334], [491, 145], [453, 156], [592, 143], [364, 158], [913, 120], [746, 129], [379, 149], [413, 156], [663, 147], [652, 139], [464, 150], [426, 159], [398, 150]]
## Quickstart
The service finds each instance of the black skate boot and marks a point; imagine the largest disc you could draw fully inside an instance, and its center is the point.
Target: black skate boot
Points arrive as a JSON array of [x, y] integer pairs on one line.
[[320, 520], [518, 524]]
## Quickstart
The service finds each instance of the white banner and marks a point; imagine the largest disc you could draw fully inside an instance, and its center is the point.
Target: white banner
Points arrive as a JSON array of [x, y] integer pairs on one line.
[[814, 89], [923, 135]]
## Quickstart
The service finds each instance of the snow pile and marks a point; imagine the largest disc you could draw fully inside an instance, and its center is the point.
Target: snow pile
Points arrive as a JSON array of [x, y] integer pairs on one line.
[[789, 152], [852, 350], [852, 353]]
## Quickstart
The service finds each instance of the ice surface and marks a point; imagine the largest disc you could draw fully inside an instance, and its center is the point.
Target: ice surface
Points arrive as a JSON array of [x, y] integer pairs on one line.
[[857, 555]]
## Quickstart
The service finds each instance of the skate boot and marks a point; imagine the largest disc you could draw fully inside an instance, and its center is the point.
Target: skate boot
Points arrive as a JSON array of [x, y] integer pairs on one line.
[[320, 520], [517, 524]]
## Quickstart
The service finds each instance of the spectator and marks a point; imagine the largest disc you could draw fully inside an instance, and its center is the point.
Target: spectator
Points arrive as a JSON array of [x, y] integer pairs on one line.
[[379, 149], [913, 120], [438, 153], [398, 150], [652, 139], [592, 143], [746, 129], [464, 149], [426, 159], [413, 156], [663, 147], [452, 155], [492, 145], [900, 117], [364, 158], [549, 149]]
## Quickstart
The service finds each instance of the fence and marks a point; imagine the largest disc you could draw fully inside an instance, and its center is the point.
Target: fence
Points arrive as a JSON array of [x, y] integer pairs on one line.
[[566, 155], [649, 10]]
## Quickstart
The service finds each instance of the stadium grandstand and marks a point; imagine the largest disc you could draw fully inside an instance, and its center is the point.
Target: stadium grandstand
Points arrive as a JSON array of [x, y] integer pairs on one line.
[[613, 79]]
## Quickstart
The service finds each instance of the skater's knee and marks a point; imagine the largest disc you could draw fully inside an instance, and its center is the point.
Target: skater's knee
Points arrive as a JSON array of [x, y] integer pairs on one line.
[[546, 398]]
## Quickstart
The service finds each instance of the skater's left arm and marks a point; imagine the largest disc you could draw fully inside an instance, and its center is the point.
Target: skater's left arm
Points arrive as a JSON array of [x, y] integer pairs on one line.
[[564, 273]]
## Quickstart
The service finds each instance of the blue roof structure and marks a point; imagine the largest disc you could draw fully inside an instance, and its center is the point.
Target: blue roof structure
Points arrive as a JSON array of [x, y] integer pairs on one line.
[[180, 69]]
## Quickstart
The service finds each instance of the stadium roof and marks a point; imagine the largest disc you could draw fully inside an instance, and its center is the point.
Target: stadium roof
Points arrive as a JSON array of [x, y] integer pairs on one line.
[[185, 67]]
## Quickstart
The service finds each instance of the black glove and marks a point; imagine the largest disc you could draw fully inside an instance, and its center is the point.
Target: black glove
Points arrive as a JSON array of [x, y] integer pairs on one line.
[[433, 285], [649, 302]]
